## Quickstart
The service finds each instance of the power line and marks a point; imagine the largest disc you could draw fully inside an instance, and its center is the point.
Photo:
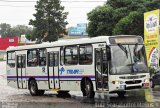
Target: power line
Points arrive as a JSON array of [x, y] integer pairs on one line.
[[82, 1], [14, 6], [15, 1], [61, 1], [33, 6]]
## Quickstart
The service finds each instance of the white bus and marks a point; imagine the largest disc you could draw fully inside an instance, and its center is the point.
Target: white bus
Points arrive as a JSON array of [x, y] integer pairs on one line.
[[113, 64]]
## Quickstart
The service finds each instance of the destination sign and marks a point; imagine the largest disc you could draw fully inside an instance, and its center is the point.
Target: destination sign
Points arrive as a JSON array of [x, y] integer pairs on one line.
[[125, 40]]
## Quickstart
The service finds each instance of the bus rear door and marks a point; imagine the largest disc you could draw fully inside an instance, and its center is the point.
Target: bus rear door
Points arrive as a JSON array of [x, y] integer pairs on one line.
[[53, 69], [21, 71]]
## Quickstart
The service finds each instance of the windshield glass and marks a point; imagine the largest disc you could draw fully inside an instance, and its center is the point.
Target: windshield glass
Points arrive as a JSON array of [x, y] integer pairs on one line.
[[128, 59]]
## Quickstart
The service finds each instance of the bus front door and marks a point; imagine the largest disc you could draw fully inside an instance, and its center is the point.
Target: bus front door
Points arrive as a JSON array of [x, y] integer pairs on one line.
[[53, 67], [21, 71], [101, 68]]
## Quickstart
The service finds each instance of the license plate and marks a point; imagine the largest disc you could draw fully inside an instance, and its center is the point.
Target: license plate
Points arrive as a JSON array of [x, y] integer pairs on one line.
[[122, 86]]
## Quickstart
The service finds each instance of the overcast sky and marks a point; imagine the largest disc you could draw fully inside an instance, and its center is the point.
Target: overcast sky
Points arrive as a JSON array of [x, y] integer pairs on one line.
[[15, 13]]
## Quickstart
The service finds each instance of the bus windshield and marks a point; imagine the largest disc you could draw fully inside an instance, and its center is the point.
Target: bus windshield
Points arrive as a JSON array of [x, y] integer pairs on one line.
[[128, 59]]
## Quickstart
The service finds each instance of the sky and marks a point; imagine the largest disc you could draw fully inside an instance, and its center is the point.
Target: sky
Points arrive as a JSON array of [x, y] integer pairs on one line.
[[14, 12]]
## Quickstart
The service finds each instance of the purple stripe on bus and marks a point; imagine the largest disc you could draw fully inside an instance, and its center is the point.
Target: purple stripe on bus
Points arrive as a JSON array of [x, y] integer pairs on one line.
[[50, 76]]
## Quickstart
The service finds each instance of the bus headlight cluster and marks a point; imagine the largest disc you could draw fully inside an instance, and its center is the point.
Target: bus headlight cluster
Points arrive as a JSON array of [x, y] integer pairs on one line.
[[117, 82]]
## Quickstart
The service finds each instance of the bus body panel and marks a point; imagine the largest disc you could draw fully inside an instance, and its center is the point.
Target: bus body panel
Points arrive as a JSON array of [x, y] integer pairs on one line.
[[11, 77], [39, 74], [74, 75]]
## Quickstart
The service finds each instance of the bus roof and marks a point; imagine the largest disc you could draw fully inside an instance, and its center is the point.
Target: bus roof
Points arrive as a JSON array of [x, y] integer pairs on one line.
[[67, 42]]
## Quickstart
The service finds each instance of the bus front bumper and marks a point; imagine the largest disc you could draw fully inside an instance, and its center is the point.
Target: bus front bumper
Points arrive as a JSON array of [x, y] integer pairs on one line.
[[130, 87]]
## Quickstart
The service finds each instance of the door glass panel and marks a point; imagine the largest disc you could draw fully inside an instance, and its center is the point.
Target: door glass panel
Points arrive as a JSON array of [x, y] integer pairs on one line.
[[23, 62], [51, 59], [56, 59], [101, 68], [19, 62]]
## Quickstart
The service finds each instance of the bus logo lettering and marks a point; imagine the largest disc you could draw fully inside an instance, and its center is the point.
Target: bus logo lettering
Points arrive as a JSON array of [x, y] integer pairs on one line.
[[71, 71]]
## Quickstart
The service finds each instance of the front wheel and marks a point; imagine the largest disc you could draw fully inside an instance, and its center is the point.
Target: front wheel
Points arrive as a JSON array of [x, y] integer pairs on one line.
[[88, 89]]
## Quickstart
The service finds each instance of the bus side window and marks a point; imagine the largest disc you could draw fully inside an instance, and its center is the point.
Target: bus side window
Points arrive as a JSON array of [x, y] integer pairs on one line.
[[71, 55], [85, 54], [32, 58], [11, 59], [42, 57]]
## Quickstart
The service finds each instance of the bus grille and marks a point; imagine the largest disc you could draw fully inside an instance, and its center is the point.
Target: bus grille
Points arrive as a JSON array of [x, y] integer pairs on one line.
[[132, 77], [133, 87], [133, 82]]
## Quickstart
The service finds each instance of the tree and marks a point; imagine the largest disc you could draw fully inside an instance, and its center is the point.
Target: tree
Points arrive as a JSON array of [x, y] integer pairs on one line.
[[5, 30], [19, 30], [130, 25], [49, 18], [120, 17]]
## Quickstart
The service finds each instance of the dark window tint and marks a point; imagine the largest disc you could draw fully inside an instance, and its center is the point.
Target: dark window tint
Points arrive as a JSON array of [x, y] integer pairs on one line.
[[32, 57], [21, 61], [71, 55], [42, 57], [85, 56], [62, 56], [11, 59], [56, 59], [53, 59]]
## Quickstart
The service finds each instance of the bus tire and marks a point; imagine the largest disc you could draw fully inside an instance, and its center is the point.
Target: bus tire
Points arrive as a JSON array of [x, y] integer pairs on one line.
[[88, 89], [121, 93], [33, 88]]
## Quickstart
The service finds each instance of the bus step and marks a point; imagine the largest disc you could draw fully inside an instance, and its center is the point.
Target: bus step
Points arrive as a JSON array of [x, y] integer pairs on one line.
[[55, 90]]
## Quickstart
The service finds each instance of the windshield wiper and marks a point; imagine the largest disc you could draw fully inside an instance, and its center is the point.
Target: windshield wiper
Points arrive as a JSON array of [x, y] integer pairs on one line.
[[123, 49], [135, 48]]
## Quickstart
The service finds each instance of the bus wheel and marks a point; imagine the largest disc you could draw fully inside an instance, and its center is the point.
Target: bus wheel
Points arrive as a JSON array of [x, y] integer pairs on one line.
[[121, 93], [88, 91], [33, 88]]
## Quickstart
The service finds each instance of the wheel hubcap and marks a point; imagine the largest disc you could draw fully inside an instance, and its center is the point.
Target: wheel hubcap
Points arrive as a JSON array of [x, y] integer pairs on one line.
[[33, 88], [87, 89]]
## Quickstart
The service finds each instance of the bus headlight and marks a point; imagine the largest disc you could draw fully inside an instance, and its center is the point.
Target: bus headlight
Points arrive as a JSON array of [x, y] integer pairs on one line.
[[117, 82]]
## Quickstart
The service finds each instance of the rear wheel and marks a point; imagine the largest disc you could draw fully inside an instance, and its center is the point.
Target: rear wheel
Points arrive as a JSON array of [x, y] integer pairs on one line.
[[121, 93], [88, 89], [33, 88]]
